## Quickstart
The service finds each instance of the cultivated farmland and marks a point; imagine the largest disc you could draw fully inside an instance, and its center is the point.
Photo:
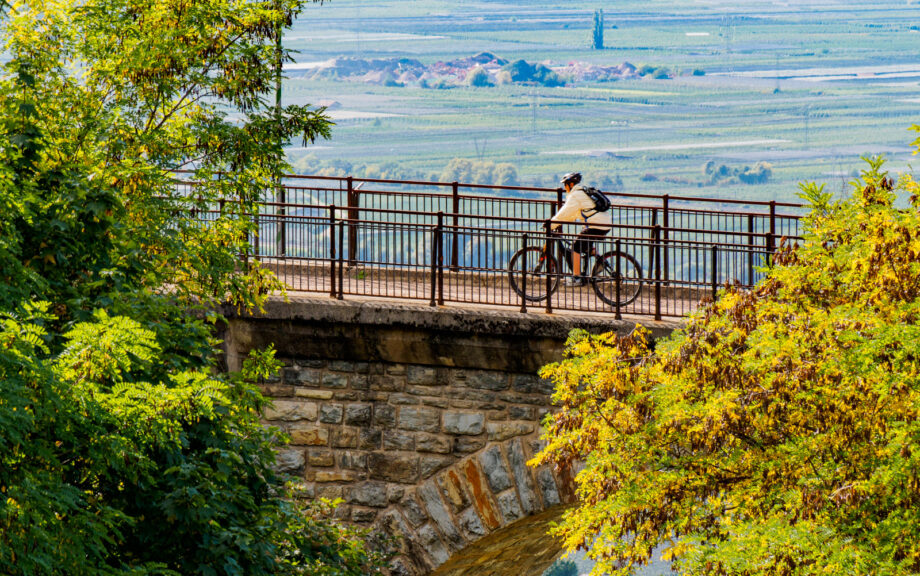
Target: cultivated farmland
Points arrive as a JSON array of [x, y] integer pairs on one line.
[[803, 89]]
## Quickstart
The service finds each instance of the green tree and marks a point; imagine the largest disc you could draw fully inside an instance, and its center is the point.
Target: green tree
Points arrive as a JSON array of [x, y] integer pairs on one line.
[[478, 77], [519, 71], [110, 467], [480, 172], [121, 449], [597, 35], [505, 174], [103, 100], [458, 170], [777, 432]]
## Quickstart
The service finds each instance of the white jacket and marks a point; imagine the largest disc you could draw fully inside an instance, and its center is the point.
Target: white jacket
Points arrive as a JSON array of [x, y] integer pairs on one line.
[[579, 208]]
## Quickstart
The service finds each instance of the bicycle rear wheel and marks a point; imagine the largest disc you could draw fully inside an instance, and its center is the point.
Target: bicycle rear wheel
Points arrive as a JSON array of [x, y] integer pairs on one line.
[[539, 265], [604, 278]]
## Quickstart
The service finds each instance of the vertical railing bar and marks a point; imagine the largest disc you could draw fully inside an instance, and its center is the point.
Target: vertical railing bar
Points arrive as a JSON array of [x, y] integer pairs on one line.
[[282, 222], [341, 294], [440, 256], [248, 246], [616, 281], [772, 238], [652, 250], [750, 251], [666, 223], [353, 216], [332, 254], [257, 240], [548, 285], [524, 276], [454, 249], [657, 252], [434, 267], [715, 272]]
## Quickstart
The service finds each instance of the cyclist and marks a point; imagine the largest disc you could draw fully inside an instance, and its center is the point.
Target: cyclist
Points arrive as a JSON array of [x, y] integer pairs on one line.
[[579, 208]]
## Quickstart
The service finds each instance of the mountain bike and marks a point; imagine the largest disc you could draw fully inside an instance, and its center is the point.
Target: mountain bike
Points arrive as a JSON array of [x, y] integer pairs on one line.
[[540, 262]]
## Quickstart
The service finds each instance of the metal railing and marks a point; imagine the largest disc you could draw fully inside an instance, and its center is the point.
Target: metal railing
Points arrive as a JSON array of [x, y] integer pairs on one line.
[[450, 242]]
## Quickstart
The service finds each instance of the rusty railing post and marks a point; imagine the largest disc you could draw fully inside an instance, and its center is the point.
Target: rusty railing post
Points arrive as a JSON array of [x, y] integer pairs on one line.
[[257, 236], [332, 254], [657, 265], [353, 199], [616, 282], [665, 213], [440, 257], [281, 214], [341, 293], [770, 241], [652, 249], [771, 247], [454, 247], [248, 248], [434, 266], [750, 250], [524, 276], [715, 272], [548, 285]]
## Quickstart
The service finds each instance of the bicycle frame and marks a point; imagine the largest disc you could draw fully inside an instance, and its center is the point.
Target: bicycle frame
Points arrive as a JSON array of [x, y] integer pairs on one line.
[[565, 247]]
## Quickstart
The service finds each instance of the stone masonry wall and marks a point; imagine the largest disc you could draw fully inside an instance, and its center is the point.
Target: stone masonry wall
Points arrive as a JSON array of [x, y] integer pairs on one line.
[[422, 420], [436, 455]]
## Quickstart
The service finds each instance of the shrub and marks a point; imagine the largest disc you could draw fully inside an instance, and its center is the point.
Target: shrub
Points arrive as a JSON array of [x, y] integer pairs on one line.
[[478, 77], [480, 172]]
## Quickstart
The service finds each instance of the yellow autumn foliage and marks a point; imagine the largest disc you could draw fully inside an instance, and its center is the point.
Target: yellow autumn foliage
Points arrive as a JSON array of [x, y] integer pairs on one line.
[[777, 434]]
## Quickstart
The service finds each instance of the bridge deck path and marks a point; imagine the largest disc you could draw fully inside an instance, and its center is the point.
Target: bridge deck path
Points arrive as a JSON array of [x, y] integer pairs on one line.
[[485, 290]]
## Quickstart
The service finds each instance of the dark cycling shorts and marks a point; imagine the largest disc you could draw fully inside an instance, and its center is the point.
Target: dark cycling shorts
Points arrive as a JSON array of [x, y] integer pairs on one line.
[[586, 237]]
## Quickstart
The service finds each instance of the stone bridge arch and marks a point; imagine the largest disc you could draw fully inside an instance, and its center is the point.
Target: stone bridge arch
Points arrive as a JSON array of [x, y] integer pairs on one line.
[[487, 509], [421, 420], [522, 548]]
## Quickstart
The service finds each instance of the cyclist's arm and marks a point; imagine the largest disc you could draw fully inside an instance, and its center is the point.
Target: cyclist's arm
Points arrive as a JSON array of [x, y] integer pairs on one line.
[[571, 211]]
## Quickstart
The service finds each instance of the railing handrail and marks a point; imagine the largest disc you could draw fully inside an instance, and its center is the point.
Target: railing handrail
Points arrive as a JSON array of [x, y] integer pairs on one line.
[[645, 227], [678, 209], [528, 189], [685, 210]]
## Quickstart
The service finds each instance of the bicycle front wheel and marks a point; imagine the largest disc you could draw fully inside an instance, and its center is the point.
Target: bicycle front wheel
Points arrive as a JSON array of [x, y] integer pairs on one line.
[[604, 278], [538, 264]]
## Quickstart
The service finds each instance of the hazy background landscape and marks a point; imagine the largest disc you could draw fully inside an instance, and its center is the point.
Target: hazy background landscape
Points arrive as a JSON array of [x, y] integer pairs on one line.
[[725, 100]]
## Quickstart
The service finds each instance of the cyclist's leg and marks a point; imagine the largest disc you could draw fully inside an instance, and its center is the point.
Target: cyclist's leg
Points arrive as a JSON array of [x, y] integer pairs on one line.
[[565, 254], [584, 243]]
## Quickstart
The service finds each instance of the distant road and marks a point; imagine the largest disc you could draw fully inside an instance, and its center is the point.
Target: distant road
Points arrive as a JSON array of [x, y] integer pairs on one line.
[[695, 146]]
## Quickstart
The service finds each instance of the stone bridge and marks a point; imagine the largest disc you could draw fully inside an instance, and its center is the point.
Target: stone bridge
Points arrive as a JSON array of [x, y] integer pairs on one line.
[[422, 421]]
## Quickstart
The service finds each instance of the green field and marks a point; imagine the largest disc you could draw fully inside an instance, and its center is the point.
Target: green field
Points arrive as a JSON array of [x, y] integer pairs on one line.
[[808, 88]]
